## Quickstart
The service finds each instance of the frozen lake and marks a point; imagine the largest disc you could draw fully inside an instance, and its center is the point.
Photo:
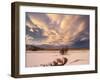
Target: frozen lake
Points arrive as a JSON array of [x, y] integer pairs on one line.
[[75, 57]]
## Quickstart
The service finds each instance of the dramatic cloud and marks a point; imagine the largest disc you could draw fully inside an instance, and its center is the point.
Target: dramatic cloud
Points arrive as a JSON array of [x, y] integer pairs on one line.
[[61, 29], [29, 39], [54, 18]]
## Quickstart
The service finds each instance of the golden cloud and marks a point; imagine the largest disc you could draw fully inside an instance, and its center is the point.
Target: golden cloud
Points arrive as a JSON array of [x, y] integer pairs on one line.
[[67, 30], [54, 17]]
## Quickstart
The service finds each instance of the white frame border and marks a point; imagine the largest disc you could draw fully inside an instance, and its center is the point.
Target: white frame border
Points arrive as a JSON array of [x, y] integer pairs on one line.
[[73, 68]]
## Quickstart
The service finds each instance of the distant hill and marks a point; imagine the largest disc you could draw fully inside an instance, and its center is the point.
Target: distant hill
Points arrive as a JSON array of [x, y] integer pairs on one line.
[[49, 47], [32, 48], [44, 47]]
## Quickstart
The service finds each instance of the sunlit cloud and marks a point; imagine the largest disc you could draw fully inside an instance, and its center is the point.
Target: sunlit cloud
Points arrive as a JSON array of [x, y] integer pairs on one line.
[[54, 18], [38, 23], [83, 39], [69, 29], [30, 25], [68, 22], [29, 39]]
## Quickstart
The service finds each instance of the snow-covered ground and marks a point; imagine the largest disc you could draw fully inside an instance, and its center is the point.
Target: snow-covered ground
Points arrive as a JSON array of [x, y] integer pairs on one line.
[[38, 58]]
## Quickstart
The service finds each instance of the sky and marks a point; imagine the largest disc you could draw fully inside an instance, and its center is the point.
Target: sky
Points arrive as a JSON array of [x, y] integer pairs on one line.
[[56, 29]]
